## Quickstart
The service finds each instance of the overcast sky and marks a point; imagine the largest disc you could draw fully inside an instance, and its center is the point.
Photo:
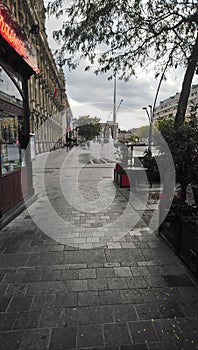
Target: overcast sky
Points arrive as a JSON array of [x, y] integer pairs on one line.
[[93, 95]]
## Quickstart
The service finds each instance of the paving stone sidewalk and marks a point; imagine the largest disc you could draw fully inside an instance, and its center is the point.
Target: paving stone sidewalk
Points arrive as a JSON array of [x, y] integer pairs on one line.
[[131, 293]]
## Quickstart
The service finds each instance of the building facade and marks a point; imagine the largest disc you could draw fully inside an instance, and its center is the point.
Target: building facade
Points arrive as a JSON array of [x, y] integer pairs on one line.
[[109, 130], [33, 100], [168, 107]]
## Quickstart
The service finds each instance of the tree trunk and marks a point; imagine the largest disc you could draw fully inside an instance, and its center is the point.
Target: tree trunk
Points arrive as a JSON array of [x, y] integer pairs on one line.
[[186, 86], [183, 189]]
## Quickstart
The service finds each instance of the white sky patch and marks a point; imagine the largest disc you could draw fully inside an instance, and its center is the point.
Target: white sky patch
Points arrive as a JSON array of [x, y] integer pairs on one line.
[[74, 103]]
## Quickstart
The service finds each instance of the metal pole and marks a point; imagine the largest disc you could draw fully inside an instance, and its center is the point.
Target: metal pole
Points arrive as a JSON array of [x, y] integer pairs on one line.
[[119, 106], [131, 156], [150, 128], [114, 109], [150, 118], [27, 136]]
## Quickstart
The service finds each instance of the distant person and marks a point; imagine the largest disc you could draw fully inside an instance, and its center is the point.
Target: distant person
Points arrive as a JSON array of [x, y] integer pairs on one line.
[[67, 146]]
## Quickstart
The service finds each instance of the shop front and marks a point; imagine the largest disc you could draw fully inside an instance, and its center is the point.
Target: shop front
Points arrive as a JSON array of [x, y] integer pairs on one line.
[[17, 64]]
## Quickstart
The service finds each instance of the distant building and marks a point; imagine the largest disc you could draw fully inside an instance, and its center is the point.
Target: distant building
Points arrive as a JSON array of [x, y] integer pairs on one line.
[[107, 129], [168, 107], [124, 135]]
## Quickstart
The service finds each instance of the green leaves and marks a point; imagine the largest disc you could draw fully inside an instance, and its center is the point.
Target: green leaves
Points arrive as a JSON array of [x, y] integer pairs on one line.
[[125, 29], [183, 144], [124, 35], [88, 127]]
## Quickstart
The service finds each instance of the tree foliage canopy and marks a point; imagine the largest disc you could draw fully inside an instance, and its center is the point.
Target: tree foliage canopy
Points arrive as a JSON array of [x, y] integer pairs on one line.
[[120, 36], [88, 127], [183, 144], [143, 132]]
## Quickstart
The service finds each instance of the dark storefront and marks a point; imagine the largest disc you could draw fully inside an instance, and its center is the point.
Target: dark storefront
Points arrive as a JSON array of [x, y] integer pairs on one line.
[[17, 64]]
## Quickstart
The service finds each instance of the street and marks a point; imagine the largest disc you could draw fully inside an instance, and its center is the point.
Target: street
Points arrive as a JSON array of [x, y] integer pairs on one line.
[[81, 269]]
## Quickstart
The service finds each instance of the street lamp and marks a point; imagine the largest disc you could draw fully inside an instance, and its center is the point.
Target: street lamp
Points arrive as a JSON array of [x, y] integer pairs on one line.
[[115, 110], [119, 106], [150, 118], [114, 119]]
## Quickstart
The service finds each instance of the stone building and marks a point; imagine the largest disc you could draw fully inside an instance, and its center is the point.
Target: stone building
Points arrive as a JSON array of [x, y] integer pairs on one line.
[[47, 91], [168, 107], [33, 100]]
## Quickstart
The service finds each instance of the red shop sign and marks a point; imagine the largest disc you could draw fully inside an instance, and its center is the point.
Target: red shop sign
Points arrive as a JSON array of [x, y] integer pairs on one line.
[[12, 33]]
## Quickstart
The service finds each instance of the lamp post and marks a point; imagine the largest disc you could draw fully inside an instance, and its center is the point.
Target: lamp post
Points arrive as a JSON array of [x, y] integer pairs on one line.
[[115, 132], [115, 110], [150, 118], [119, 106]]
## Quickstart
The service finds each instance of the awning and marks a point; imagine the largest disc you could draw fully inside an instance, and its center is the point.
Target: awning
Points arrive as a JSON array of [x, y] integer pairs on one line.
[[12, 34]]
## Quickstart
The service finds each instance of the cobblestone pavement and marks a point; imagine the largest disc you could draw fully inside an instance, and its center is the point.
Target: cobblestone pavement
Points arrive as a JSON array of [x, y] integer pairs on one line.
[[127, 290]]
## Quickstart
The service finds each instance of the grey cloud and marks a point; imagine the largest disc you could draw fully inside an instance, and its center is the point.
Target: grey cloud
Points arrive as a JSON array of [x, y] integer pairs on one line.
[[85, 87]]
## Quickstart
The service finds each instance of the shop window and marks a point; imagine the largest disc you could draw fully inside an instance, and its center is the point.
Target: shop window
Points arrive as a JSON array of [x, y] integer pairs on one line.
[[9, 89], [12, 154], [10, 158], [9, 129]]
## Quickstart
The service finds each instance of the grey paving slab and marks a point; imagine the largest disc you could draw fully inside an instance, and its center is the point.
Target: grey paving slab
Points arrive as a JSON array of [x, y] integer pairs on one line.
[[87, 273], [14, 277], [27, 320], [98, 284], [50, 318], [66, 300], [85, 256], [45, 301], [20, 303], [7, 321], [11, 340], [125, 313], [189, 308], [88, 315], [130, 296], [35, 340], [122, 271], [117, 334], [16, 289], [12, 260], [88, 298], [124, 255], [37, 288], [4, 302], [136, 282], [166, 345], [143, 331], [148, 311], [134, 347], [56, 287], [109, 297], [169, 330], [117, 283], [70, 274], [45, 259], [77, 285], [105, 272], [88, 336], [63, 338]]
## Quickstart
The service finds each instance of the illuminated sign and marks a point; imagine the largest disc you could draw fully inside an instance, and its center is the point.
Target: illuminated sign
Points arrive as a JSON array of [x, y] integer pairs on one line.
[[11, 32]]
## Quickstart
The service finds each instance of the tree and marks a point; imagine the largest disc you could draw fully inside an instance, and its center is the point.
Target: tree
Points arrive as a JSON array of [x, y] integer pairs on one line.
[[88, 127], [143, 132], [183, 144], [134, 138], [123, 35]]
